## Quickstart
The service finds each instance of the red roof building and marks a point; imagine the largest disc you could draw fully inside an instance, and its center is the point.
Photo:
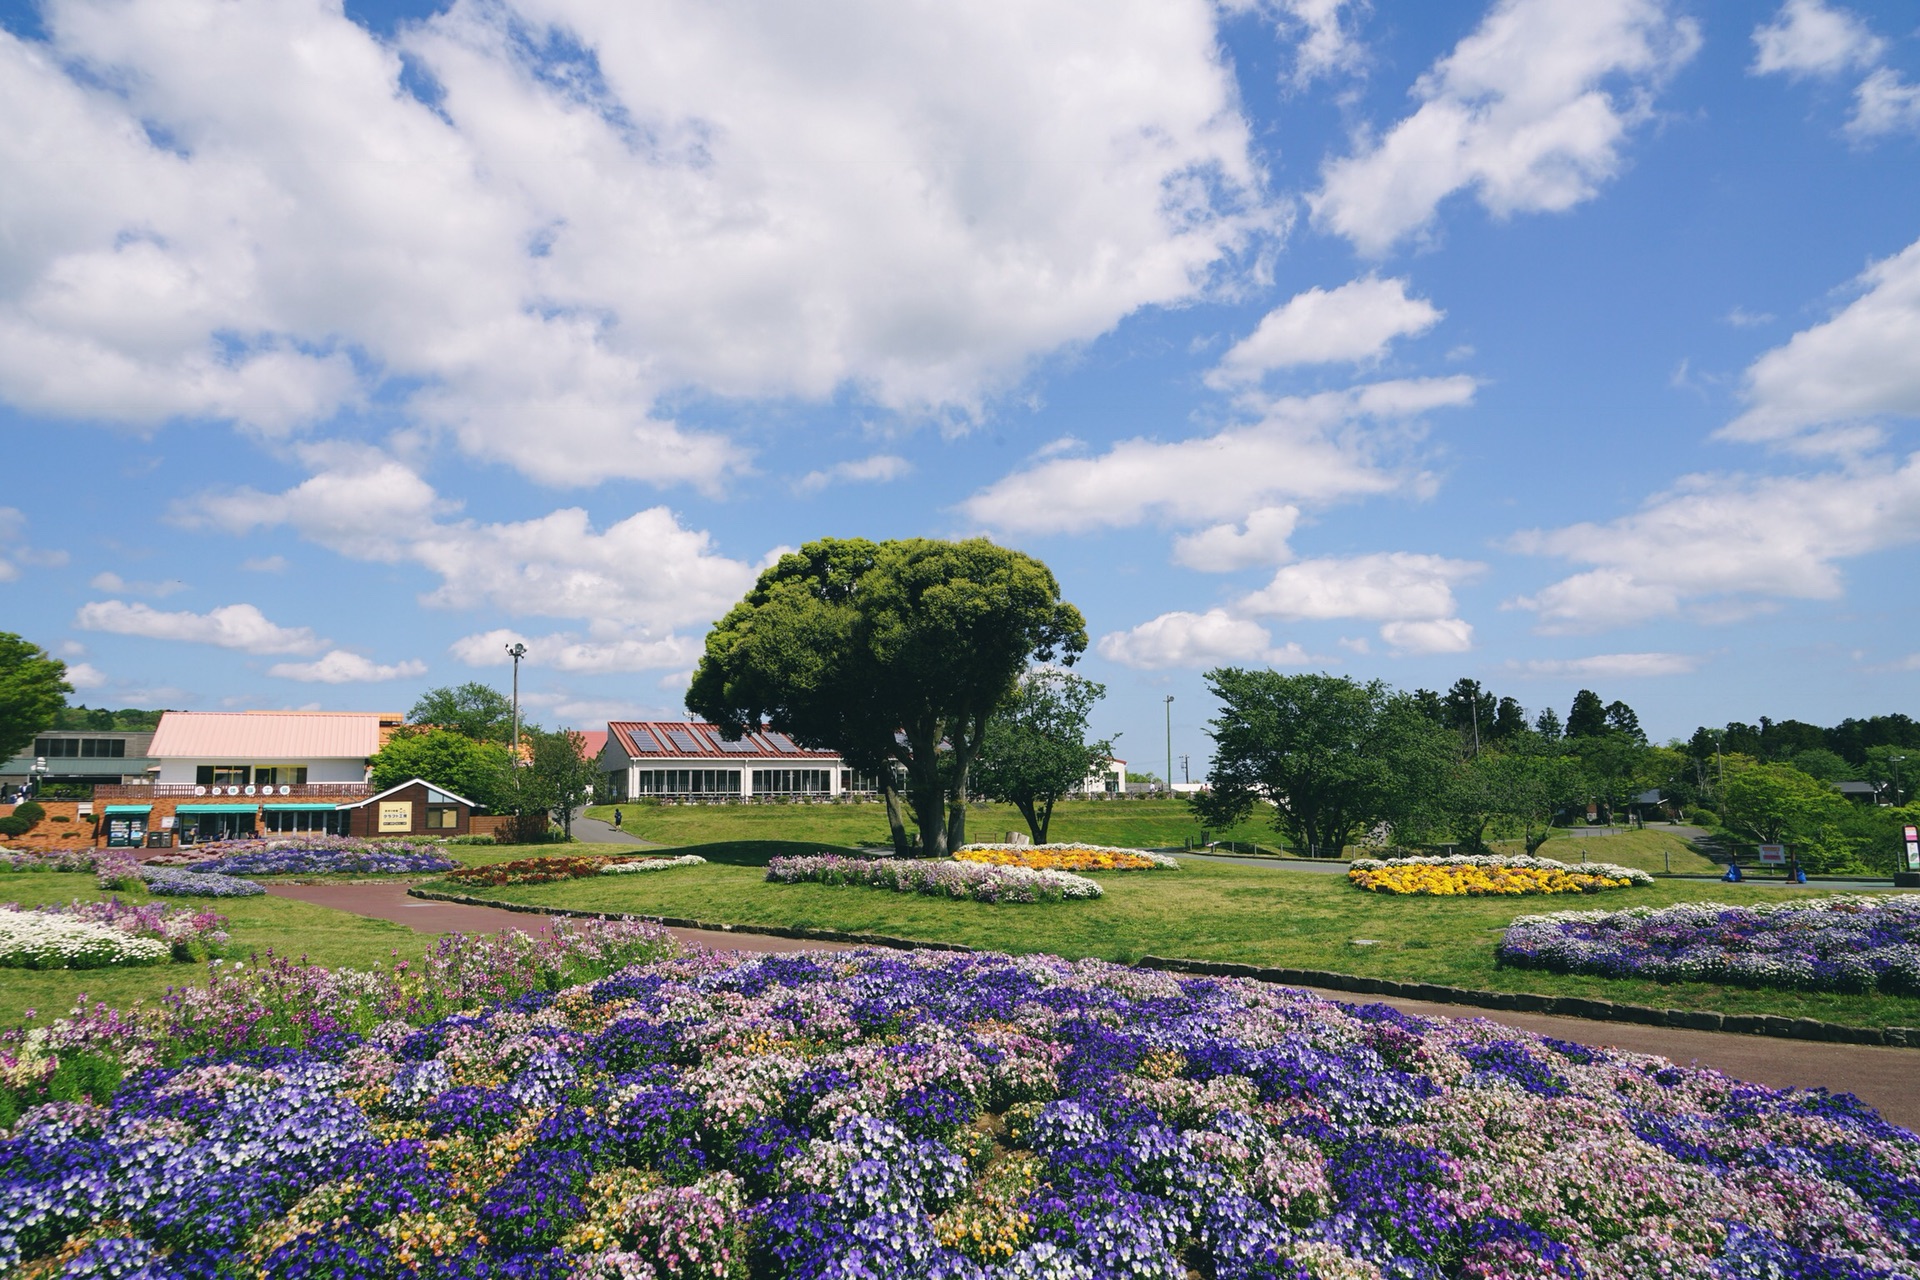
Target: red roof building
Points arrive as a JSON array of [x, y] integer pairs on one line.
[[689, 760]]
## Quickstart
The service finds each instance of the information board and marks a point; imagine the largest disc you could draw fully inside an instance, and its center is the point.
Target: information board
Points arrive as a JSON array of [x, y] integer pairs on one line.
[[396, 815], [1913, 848], [1773, 854]]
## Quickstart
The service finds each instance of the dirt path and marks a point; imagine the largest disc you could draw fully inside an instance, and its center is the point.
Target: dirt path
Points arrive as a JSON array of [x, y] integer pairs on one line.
[[389, 901], [1881, 1077]]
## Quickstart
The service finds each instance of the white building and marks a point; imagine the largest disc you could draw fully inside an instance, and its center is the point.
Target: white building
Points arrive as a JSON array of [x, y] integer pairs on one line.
[[689, 760], [251, 750], [1111, 780]]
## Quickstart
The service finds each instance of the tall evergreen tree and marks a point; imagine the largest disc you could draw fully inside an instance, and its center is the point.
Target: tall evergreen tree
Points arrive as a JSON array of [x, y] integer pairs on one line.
[[1588, 716]]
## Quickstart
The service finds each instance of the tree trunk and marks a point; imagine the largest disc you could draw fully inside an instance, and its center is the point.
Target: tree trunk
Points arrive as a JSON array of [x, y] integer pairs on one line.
[[957, 824], [895, 823], [1046, 820], [1035, 823]]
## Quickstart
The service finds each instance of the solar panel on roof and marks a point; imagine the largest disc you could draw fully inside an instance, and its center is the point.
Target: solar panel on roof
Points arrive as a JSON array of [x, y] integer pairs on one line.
[[642, 738], [744, 747], [783, 744], [685, 741]]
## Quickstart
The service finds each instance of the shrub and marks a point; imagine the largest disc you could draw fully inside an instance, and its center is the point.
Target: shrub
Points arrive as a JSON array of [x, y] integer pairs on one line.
[[31, 810], [473, 840], [14, 826]]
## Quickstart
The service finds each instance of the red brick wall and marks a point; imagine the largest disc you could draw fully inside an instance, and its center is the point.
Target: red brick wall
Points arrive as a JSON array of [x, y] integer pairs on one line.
[[48, 833]]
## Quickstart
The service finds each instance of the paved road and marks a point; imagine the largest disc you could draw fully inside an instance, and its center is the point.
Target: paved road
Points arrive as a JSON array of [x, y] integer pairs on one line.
[[389, 901], [594, 831]]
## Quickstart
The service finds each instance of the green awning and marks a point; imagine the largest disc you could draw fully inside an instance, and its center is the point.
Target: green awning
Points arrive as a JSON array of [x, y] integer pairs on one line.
[[129, 808], [216, 808], [304, 808]]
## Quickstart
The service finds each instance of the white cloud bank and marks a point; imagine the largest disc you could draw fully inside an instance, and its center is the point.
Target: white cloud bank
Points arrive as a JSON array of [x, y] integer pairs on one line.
[[1354, 323], [880, 468], [341, 667], [233, 626], [1197, 640], [531, 220], [1811, 39], [1530, 112], [565, 651], [1409, 593], [1608, 666]]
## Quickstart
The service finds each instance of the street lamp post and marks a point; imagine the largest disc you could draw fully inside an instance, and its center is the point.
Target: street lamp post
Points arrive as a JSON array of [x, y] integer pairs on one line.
[[516, 651], [1169, 744], [1896, 762]]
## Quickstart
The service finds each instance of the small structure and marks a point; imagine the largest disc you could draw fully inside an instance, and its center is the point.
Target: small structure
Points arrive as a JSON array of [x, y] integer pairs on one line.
[[64, 761], [415, 808]]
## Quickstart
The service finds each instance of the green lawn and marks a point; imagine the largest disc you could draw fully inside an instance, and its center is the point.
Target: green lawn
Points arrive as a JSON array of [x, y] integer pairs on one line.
[[328, 937], [1132, 824], [1649, 849], [1253, 914]]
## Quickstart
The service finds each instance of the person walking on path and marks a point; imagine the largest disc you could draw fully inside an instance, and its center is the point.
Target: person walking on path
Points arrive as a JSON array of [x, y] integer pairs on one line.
[[616, 819]]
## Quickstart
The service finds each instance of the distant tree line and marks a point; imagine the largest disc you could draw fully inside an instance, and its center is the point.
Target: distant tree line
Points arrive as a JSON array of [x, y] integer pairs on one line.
[[1341, 761]]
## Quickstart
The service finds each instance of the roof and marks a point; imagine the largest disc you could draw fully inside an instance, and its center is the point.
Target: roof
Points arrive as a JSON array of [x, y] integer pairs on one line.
[[1856, 788], [696, 739], [596, 743], [245, 736], [432, 790]]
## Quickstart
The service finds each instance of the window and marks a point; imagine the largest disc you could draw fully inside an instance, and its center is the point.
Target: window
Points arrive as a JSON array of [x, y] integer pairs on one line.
[[223, 775], [688, 782], [791, 782], [276, 775], [331, 822], [442, 817]]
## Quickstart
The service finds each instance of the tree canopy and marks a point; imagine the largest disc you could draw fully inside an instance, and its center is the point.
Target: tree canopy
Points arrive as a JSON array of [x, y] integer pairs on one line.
[[1333, 756], [33, 689], [1036, 748], [472, 710], [477, 770], [558, 777], [891, 653]]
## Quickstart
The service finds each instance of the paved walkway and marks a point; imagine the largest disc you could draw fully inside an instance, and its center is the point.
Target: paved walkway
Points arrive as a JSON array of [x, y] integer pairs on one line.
[[1881, 1077], [594, 831], [389, 901]]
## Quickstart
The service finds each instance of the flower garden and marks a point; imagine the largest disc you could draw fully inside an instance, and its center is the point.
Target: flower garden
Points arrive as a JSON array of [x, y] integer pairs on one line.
[[878, 1114], [1852, 943], [96, 935], [1065, 857], [1496, 875], [548, 870], [973, 881], [313, 855]]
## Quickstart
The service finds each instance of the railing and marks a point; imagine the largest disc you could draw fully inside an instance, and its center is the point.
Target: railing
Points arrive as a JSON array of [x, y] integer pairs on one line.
[[192, 791]]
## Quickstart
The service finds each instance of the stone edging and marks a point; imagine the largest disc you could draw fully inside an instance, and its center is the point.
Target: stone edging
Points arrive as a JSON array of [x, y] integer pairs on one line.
[[1753, 1024], [678, 922]]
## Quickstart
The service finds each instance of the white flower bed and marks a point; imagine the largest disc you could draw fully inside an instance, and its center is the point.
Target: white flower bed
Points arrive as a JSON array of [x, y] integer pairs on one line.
[[38, 940], [1514, 861], [652, 864]]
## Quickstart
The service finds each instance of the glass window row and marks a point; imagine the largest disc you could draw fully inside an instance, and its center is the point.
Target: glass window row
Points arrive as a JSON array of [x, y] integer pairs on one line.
[[81, 748]]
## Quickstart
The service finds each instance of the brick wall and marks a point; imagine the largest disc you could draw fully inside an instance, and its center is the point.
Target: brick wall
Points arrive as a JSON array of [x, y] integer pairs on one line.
[[75, 832]]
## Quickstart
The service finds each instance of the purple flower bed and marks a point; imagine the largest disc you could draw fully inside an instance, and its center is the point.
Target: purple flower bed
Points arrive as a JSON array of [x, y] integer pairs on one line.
[[1848, 943], [978, 1117], [980, 882], [325, 855]]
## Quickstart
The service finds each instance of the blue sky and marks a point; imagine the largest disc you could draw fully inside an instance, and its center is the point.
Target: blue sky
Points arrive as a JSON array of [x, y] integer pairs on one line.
[[1560, 343]]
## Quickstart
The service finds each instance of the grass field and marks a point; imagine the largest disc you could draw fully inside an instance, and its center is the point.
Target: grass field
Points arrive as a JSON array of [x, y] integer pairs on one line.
[[256, 925], [1254, 914]]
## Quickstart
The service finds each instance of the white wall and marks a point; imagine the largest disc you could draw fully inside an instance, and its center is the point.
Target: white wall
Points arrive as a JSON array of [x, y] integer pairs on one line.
[[181, 772]]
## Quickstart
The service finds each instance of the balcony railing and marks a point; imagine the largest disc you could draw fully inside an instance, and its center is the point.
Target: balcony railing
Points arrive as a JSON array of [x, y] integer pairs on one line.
[[192, 791]]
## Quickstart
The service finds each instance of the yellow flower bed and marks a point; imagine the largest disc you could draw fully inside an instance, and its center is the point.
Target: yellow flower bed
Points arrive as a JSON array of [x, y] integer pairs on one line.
[[1481, 882], [1056, 858]]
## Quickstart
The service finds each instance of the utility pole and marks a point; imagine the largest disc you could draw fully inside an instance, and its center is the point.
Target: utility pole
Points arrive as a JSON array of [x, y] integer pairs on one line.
[[516, 651], [1169, 744], [1186, 770]]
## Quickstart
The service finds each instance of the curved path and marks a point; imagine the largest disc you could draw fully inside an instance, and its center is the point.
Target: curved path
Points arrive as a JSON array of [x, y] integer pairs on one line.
[[1881, 1077], [389, 901]]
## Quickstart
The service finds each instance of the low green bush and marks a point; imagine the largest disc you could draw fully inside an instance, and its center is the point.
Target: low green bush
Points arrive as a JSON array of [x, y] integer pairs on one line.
[[477, 839], [14, 826], [31, 810]]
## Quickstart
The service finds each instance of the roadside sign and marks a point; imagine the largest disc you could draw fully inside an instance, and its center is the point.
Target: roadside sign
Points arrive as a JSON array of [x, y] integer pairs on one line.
[[1913, 848], [1773, 854]]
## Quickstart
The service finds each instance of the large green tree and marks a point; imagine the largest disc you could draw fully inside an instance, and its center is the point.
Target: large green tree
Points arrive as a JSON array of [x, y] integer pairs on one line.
[[1778, 804], [1333, 756], [33, 689], [892, 653], [472, 710], [559, 775], [1036, 748], [477, 770]]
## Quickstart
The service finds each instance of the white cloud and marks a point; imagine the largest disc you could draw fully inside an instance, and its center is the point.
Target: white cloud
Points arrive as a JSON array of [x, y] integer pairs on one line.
[[264, 564], [1196, 640], [84, 675], [1354, 323], [1429, 635], [15, 550], [342, 667], [647, 571], [1608, 666], [110, 581], [1530, 111], [1389, 585], [1223, 548], [233, 626], [1721, 547], [1884, 103], [881, 468], [564, 651], [1855, 367], [1324, 41], [1808, 38], [604, 206], [1321, 448], [1741, 318]]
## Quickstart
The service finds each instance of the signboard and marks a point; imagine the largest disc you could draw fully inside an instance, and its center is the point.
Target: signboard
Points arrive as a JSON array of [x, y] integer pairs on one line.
[[396, 815], [1773, 854], [166, 823], [86, 809], [1913, 848]]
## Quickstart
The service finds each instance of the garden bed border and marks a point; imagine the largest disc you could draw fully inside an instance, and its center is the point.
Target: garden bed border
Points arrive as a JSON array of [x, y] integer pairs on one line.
[[1752, 1024]]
